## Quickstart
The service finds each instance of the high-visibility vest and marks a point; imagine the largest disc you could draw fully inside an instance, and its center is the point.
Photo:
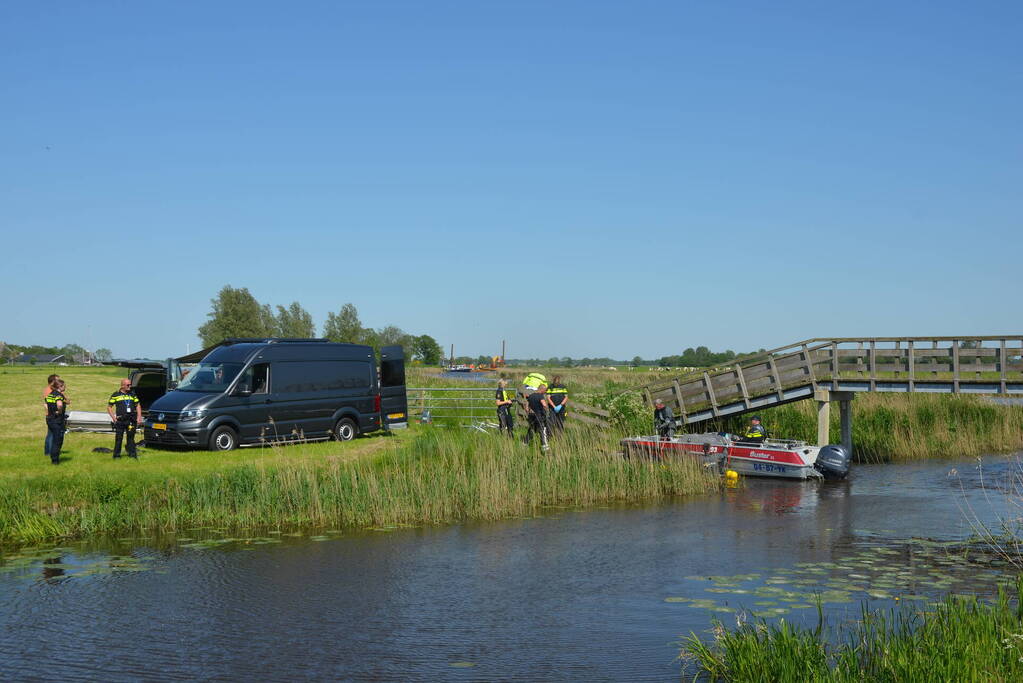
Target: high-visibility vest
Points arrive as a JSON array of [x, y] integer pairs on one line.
[[534, 380], [507, 395], [557, 390]]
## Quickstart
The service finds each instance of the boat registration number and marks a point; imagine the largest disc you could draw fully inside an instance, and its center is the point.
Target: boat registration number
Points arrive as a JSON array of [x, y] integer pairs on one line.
[[768, 467]]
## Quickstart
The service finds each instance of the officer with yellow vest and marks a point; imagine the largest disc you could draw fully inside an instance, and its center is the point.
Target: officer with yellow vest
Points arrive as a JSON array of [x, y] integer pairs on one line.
[[532, 382], [558, 396], [755, 433], [505, 401]]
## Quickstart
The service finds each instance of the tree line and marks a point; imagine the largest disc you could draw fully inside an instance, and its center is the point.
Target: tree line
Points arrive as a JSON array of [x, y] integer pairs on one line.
[[236, 313], [73, 353]]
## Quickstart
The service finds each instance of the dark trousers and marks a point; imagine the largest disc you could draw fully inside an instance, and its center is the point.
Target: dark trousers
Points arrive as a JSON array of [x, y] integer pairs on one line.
[[125, 428], [505, 419], [49, 442], [557, 420], [54, 437], [538, 425]]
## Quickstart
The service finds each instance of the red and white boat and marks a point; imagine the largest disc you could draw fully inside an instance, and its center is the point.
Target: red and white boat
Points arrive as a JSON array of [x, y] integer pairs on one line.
[[785, 458]]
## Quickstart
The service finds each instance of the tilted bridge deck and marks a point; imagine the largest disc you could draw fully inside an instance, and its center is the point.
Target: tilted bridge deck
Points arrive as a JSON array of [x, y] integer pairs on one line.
[[956, 365]]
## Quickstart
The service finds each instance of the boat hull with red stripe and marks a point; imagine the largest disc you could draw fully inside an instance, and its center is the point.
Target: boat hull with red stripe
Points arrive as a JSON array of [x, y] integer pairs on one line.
[[773, 458]]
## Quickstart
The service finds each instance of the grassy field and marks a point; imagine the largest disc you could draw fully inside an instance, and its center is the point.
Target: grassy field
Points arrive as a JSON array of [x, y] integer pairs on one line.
[[423, 475], [962, 640]]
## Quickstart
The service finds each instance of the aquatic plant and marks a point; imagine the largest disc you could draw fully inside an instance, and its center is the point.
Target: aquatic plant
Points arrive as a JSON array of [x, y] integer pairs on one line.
[[962, 639]]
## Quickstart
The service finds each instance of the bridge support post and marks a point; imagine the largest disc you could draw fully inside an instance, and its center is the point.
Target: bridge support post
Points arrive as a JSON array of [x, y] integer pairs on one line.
[[845, 408], [824, 397]]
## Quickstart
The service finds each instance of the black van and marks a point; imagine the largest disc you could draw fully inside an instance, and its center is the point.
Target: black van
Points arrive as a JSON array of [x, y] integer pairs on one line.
[[252, 391]]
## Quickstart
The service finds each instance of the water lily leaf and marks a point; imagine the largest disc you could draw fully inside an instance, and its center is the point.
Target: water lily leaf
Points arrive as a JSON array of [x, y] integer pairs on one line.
[[676, 599]]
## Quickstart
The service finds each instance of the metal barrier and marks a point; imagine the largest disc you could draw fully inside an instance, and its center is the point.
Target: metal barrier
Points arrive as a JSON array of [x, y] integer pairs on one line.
[[471, 405]]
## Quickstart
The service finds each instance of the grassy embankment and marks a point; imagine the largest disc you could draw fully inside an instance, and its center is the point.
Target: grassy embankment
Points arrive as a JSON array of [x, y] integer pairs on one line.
[[962, 640], [420, 476]]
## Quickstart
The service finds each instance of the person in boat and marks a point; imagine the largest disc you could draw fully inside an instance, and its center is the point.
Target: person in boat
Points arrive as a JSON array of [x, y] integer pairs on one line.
[[505, 401], [755, 433], [664, 419]]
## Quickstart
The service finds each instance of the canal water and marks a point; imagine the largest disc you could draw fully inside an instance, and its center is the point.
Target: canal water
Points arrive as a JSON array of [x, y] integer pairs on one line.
[[592, 594]]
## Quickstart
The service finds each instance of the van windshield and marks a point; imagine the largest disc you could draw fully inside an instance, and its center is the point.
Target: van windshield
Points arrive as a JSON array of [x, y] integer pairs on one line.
[[209, 377]]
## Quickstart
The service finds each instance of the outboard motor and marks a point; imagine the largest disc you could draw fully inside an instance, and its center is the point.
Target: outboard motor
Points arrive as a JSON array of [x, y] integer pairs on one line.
[[833, 462]]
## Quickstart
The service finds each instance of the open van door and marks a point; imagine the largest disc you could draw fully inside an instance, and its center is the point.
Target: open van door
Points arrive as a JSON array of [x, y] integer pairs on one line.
[[393, 399]]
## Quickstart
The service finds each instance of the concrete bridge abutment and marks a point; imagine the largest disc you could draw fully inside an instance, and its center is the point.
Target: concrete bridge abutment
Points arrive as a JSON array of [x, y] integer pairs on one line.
[[824, 398]]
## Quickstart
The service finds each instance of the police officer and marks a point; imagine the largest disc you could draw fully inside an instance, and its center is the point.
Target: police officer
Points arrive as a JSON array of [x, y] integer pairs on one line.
[[56, 419], [538, 423], [532, 382], [126, 412], [664, 419], [557, 394], [505, 401], [755, 433]]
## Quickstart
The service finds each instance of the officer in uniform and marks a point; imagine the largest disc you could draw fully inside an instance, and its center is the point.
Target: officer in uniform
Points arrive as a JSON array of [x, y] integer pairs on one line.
[[532, 382], [56, 419], [505, 401], [538, 403], [755, 433], [126, 412], [558, 396]]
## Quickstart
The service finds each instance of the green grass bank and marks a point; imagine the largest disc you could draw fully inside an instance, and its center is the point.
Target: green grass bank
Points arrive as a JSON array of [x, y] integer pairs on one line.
[[437, 476], [961, 640]]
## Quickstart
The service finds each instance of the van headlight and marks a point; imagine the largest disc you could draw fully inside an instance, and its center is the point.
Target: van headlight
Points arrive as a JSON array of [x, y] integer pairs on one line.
[[192, 414]]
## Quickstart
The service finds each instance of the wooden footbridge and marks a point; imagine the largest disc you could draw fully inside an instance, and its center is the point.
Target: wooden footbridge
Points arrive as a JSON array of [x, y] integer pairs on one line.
[[829, 370]]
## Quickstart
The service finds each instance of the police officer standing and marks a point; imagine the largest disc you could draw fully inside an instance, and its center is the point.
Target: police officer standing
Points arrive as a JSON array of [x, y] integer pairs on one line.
[[557, 394], [126, 412], [56, 419], [505, 401], [538, 423], [755, 433]]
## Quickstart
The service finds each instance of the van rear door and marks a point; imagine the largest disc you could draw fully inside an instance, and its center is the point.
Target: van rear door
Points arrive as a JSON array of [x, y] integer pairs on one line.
[[393, 400]]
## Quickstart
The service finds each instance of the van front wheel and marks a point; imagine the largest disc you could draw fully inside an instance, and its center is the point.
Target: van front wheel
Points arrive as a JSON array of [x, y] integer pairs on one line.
[[345, 429], [223, 439]]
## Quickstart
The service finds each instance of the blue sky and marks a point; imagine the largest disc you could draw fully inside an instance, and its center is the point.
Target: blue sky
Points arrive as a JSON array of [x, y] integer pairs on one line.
[[577, 178]]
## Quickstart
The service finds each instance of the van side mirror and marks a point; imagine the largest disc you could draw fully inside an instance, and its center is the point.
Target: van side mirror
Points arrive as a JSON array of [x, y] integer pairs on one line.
[[243, 390]]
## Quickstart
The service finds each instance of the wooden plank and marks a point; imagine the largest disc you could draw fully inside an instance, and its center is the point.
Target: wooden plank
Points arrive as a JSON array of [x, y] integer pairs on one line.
[[809, 366], [955, 366], [710, 394], [1001, 366], [873, 365], [575, 405], [834, 366], [909, 355], [742, 385], [777, 379], [576, 415], [678, 398]]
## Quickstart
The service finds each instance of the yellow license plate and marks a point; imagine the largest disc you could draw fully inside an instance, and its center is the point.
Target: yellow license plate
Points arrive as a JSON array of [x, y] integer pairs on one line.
[[395, 416], [159, 425]]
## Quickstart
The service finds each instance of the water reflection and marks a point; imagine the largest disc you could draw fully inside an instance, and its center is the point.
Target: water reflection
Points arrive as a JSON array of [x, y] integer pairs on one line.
[[592, 594]]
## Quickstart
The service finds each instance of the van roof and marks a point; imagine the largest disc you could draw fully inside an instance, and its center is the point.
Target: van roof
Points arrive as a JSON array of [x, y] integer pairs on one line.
[[241, 350]]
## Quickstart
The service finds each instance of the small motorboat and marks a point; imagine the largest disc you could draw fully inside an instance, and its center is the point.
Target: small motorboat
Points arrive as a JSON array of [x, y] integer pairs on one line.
[[784, 458]]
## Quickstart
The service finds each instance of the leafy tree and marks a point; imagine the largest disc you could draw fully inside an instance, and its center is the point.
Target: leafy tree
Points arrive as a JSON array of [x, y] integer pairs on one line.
[[637, 361], [236, 313], [74, 353], [426, 349], [344, 326], [103, 354], [294, 321]]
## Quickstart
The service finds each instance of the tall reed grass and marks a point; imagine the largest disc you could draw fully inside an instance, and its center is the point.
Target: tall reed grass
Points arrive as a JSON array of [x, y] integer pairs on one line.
[[962, 640], [443, 475]]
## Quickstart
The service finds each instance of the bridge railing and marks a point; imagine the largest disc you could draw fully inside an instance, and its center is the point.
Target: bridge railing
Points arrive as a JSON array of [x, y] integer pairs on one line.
[[915, 362]]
